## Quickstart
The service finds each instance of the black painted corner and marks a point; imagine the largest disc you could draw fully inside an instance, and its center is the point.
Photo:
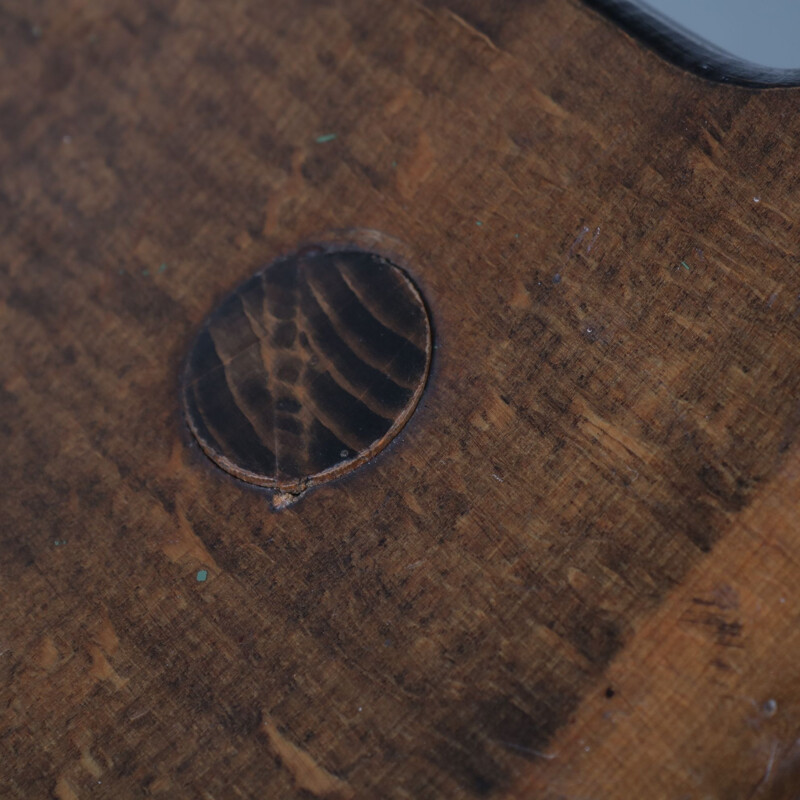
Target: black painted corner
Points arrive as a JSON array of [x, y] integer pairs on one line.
[[689, 51]]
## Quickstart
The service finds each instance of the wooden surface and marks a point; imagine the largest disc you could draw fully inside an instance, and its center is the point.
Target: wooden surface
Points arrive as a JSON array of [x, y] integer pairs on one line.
[[573, 574], [308, 370]]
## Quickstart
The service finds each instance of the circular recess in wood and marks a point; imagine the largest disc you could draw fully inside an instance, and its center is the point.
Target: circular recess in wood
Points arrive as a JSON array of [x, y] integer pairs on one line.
[[309, 368]]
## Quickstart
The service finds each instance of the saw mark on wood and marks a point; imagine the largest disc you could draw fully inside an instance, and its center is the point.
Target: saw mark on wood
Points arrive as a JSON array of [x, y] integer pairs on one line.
[[307, 773]]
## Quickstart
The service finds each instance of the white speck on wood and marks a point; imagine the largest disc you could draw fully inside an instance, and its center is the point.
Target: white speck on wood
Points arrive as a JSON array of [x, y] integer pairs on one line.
[[594, 240]]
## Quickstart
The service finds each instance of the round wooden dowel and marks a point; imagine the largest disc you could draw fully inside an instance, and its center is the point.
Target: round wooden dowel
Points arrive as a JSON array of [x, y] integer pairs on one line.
[[309, 368]]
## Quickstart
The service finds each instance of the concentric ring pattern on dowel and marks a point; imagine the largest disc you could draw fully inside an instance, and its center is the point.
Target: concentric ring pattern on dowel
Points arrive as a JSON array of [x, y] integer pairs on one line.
[[309, 368]]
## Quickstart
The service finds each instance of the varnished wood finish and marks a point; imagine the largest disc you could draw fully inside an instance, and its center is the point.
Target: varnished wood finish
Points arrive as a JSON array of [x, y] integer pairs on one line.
[[309, 369], [609, 251]]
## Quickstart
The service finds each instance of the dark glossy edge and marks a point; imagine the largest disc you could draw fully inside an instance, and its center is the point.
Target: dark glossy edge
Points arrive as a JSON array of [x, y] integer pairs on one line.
[[689, 51]]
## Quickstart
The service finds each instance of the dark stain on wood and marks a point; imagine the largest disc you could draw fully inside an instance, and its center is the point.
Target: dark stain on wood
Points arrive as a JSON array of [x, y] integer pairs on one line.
[[309, 369]]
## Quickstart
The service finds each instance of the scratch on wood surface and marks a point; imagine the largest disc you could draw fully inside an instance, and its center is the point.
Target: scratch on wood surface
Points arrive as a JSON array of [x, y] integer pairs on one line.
[[184, 542], [527, 750], [308, 775], [106, 636], [594, 240], [48, 653], [64, 790], [615, 438], [577, 241], [102, 670], [399, 101], [771, 762], [90, 764], [412, 176], [542, 100], [288, 189], [473, 30], [422, 8]]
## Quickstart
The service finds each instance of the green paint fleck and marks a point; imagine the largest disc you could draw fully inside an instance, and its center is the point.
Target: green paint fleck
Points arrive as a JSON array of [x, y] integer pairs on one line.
[[202, 574], [326, 137], [686, 266], [162, 267], [479, 223], [394, 165], [145, 272], [59, 542], [516, 236]]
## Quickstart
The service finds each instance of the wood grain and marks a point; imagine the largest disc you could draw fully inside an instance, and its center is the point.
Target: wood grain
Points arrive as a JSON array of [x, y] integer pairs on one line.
[[609, 250], [309, 369]]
